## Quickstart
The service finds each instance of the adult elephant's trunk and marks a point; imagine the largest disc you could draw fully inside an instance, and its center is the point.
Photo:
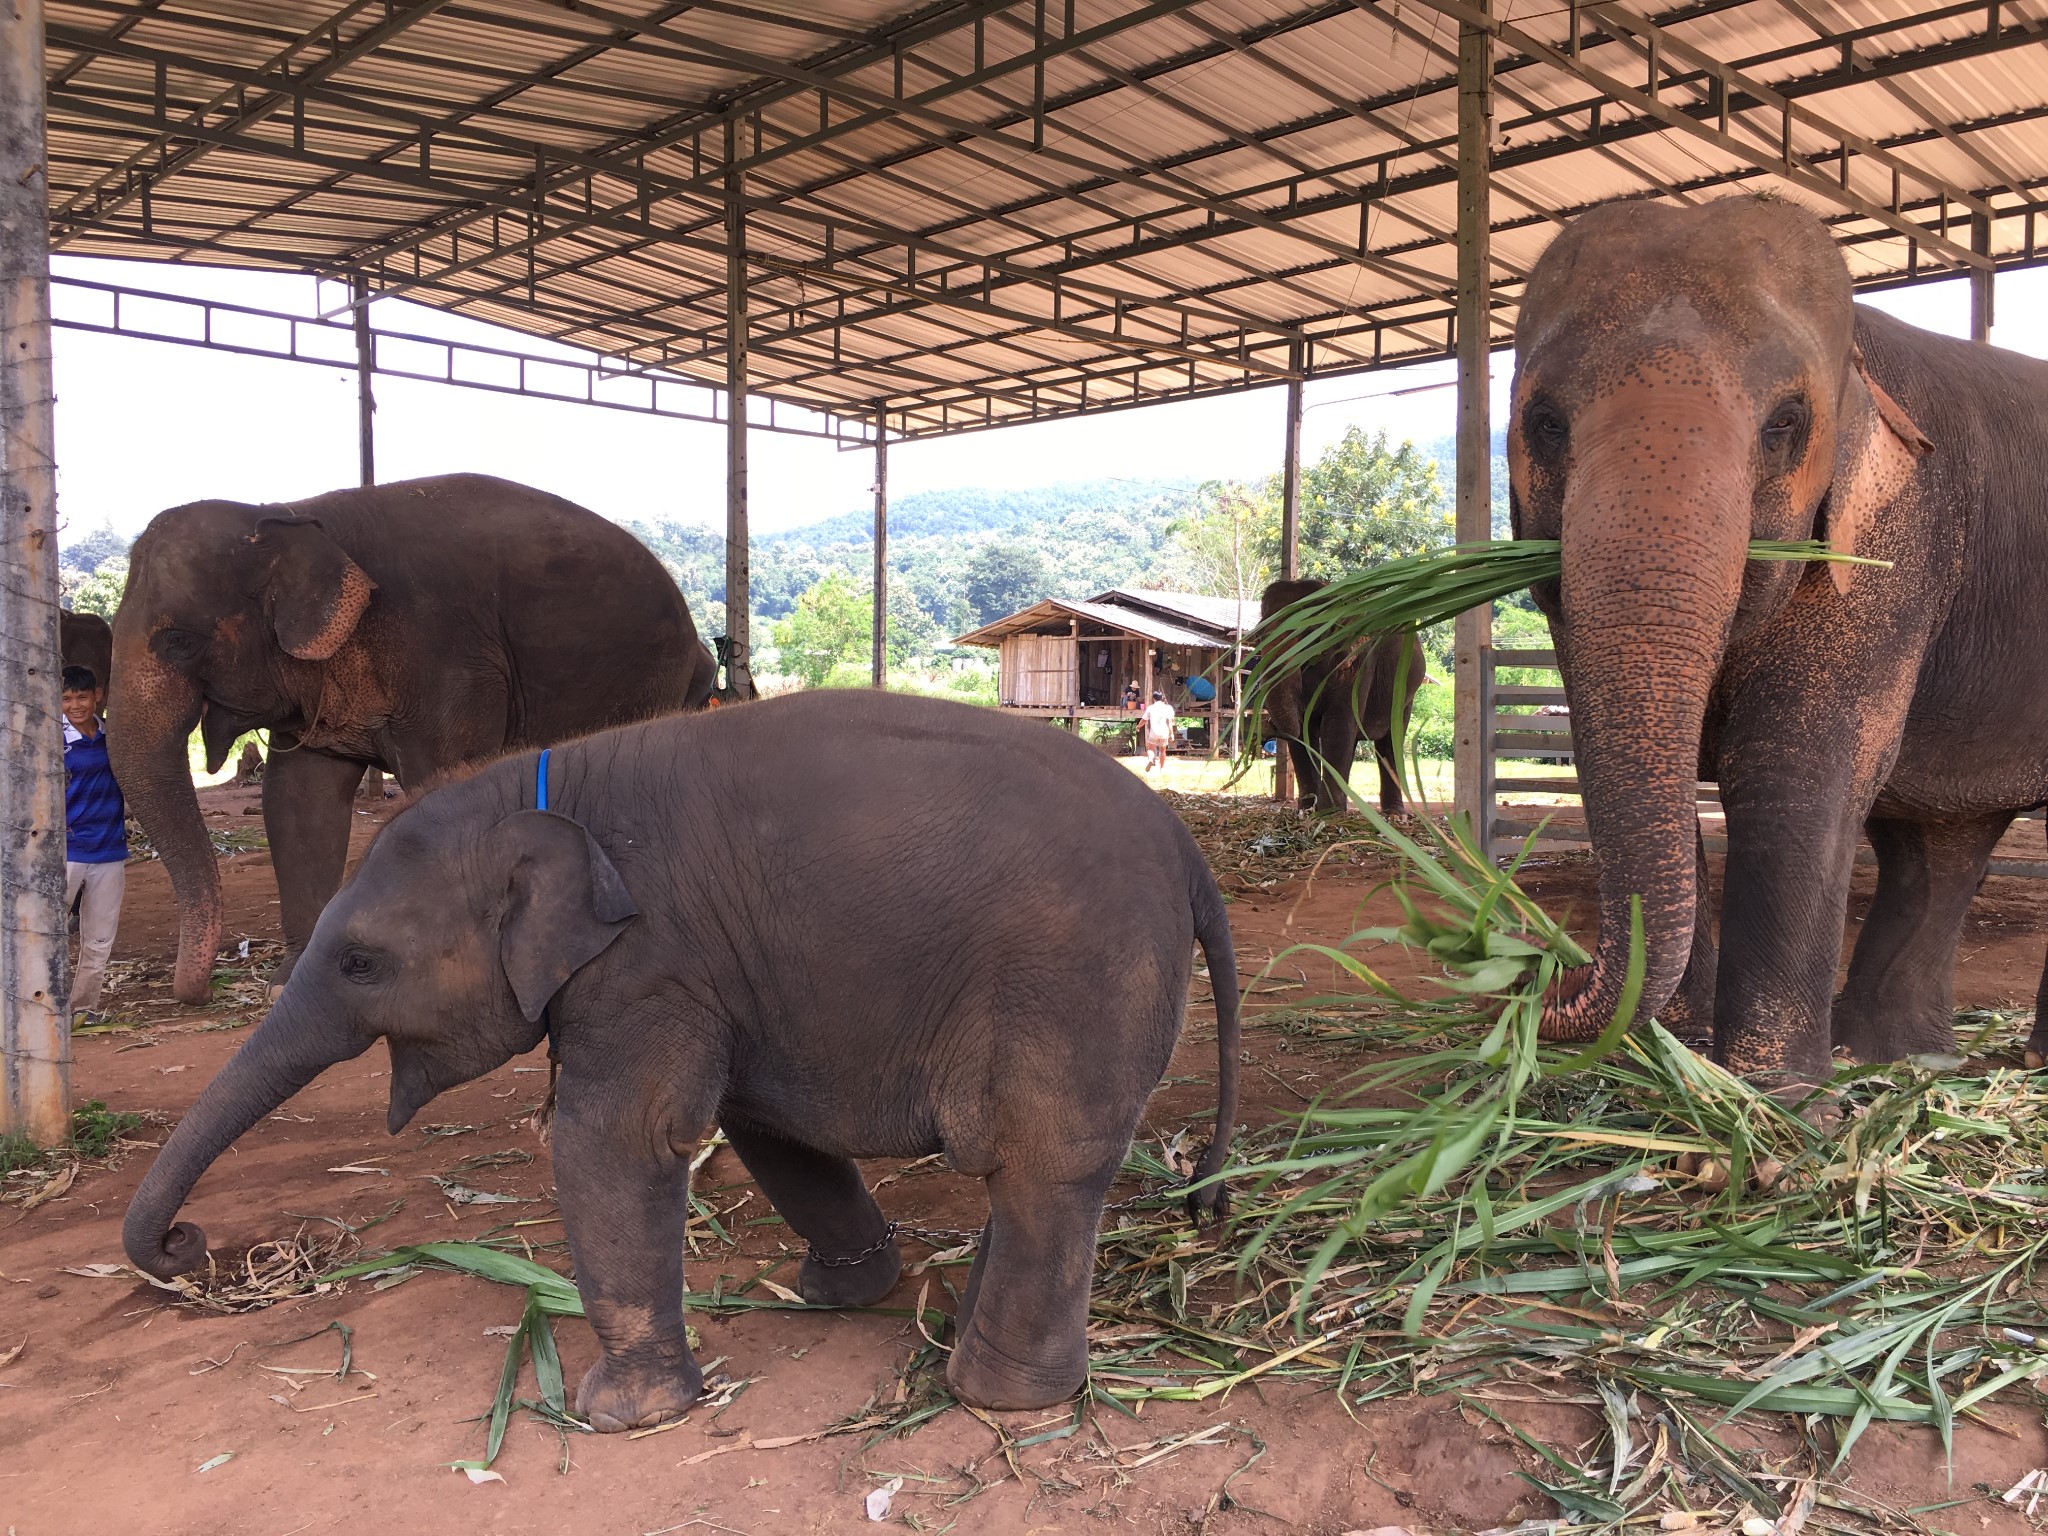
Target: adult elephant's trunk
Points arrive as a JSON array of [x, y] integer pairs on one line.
[[152, 711], [284, 1053], [1655, 537]]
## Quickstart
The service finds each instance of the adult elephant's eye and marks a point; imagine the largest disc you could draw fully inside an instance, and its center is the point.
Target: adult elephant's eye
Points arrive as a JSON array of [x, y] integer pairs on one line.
[[358, 964], [1544, 426], [1784, 432], [177, 646]]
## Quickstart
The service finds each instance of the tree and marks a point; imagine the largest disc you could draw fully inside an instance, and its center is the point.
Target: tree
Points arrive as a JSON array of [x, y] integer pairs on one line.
[[1001, 578], [88, 553], [832, 622], [1363, 504], [100, 592], [1228, 544]]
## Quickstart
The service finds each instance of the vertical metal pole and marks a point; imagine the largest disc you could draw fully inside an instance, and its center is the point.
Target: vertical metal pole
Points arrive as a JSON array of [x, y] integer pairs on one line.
[[1474, 629], [35, 1020], [1980, 280], [1290, 534], [1290, 473], [366, 400], [739, 663], [881, 663]]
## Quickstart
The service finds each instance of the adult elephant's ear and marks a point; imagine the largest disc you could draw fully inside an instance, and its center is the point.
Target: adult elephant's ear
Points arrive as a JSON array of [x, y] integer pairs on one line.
[[1876, 443], [315, 593], [563, 904]]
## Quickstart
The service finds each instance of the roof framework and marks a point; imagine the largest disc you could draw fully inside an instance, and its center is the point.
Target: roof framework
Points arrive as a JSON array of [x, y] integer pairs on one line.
[[974, 213]]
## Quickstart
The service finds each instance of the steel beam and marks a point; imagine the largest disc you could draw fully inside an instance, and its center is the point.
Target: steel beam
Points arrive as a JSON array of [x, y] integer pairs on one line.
[[35, 984], [880, 677], [366, 367], [738, 659], [1473, 629]]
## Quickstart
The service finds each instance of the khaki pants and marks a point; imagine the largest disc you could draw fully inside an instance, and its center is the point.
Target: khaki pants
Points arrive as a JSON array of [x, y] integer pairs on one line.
[[99, 914]]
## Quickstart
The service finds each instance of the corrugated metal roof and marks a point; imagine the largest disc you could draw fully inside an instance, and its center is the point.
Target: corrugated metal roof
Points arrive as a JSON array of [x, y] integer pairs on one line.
[[970, 212], [1059, 610], [1222, 615]]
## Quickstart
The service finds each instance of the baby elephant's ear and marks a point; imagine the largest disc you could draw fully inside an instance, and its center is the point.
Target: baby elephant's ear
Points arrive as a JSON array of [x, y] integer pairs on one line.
[[564, 903]]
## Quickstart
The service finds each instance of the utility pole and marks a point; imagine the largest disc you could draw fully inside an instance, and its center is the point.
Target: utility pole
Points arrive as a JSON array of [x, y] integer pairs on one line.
[[739, 668], [1473, 630], [881, 658], [35, 984]]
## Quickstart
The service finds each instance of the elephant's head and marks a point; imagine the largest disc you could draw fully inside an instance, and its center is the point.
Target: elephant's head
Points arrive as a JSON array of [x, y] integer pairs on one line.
[[229, 613], [1687, 379], [459, 928]]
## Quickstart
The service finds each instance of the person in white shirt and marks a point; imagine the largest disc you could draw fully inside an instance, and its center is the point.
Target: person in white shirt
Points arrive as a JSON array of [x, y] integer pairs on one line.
[[1158, 731]]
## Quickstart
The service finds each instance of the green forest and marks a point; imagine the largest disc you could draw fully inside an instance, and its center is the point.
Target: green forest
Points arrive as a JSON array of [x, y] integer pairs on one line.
[[964, 557]]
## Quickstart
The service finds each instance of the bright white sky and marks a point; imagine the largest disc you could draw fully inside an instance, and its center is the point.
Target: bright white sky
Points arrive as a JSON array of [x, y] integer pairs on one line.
[[146, 425]]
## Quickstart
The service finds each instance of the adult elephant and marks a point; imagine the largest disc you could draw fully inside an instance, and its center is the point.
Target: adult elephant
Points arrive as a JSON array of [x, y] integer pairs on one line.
[[1334, 701], [1688, 379], [87, 640], [409, 627]]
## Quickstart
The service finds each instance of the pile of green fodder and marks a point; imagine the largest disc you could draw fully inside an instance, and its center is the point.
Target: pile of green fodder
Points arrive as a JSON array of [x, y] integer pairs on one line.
[[1625, 1224]]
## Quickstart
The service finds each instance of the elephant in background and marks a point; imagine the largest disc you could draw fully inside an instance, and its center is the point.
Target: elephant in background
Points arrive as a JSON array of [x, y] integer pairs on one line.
[[408, 627], [805, 922], [87, 640], [1346, 695], [1689, 379]]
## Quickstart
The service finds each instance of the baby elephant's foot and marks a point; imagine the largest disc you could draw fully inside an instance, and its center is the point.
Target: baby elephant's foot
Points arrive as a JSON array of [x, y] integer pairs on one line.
[[858, 1284], [613, 1397], [986, 1377]]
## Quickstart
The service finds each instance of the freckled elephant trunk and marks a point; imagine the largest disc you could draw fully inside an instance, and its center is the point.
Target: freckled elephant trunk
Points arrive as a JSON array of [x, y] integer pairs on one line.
[[152, 712], [1656, 530], [286, 1051]]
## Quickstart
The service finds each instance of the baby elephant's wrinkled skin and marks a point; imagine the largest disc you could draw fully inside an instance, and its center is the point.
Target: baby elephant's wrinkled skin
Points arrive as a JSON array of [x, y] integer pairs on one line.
[[839, 925]]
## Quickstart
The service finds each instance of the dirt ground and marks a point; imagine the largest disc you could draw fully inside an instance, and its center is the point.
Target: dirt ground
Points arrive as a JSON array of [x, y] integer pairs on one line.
[[116, 1411]]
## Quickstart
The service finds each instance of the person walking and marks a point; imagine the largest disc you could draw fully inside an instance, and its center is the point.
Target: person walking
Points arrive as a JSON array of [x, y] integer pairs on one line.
[[95, 838], [1158, 732]]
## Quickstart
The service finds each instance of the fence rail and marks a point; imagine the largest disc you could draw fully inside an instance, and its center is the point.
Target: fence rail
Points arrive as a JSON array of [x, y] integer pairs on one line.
[[1510, 732]]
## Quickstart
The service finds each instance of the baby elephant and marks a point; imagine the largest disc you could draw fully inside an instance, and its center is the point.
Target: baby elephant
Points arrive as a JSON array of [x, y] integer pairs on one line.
[[839, 925]]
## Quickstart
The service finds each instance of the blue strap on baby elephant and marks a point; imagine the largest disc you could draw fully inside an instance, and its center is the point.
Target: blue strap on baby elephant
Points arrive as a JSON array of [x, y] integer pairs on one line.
[[540, 803], [540, 781]]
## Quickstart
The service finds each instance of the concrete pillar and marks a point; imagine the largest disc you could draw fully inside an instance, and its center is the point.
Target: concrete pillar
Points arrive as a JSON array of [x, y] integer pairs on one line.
[[1473, 630], [739, 661], [366, 400], [35, 1021], [880, 676]]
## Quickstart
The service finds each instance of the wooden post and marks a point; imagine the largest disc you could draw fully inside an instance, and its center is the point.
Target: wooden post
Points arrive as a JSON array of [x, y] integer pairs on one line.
[[1290, 536], [1980, 281], [366, 400], [739, 662], [35, 1018], [1073, 674], [1474, 628], [881, 657]]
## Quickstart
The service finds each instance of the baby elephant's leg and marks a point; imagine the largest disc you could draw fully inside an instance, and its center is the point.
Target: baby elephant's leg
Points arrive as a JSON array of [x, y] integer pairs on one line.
[[1024, 1339], [624, 1204], [853, 1259]]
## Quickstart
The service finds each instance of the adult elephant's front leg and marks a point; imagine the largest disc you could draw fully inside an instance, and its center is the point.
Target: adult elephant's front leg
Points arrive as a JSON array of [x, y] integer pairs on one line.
[[1337, 746], [308, 802], [624, 1205], [1784, 900], [1900, 1000]]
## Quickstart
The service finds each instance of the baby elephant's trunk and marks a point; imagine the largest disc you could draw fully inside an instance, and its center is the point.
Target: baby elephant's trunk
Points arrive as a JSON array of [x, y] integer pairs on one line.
[[1211, 1201]]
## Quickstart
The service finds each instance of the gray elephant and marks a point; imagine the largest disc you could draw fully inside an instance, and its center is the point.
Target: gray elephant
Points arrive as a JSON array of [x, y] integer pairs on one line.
[[1689, 379], [839, 925], [1335, 700], [407, 627]]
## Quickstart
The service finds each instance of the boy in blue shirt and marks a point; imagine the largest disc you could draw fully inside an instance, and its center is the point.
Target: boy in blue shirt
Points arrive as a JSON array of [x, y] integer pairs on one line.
[[96, 837]]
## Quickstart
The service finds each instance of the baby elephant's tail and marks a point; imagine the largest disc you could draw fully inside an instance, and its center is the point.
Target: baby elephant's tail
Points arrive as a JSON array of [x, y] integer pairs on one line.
[[1211, 1202]]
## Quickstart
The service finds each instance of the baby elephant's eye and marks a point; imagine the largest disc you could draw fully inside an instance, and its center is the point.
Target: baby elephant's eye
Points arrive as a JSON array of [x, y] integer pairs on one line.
[[358, 964]]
